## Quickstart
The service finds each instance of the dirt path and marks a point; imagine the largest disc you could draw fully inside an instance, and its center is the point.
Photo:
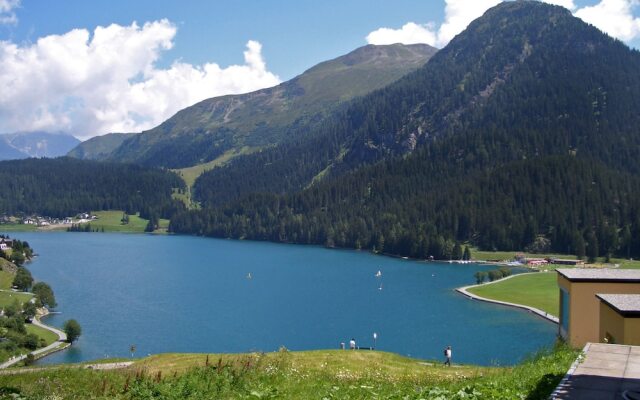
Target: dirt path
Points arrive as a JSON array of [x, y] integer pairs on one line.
[[99, 367]]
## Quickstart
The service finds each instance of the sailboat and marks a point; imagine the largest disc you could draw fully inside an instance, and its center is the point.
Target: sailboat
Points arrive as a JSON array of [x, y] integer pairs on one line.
[[249, 275], [378, 274]]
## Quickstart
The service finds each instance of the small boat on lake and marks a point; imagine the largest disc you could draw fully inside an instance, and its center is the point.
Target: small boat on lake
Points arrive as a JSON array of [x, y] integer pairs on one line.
[[378, 274]]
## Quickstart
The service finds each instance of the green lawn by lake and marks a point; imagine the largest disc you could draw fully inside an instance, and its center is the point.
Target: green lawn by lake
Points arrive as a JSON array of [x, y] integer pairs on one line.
[[47, 335], [7, 298], [539, 290], [6, 279], [111, 221], [18, 228]]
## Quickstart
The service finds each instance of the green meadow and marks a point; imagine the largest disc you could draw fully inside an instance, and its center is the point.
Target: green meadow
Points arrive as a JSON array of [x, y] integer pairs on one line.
[[538, 290], [332, 374]]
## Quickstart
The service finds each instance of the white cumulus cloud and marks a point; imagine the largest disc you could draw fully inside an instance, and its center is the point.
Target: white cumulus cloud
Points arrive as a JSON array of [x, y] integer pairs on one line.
[[458, 14], [569, 4], [614, 17], [7, 15], [108, 81], [410, 33]]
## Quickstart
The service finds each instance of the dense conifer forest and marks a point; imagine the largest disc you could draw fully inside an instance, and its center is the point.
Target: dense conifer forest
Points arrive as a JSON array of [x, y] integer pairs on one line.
[[525, 125], [63, 187], [525, 80], [581, 206]]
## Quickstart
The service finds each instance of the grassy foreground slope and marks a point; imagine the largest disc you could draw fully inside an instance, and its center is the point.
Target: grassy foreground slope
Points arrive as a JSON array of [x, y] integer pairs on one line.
[[539, 290], [294, 375]]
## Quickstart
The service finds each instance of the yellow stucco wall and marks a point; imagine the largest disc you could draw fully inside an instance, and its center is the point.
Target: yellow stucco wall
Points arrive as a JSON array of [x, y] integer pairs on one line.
[[632, 331], [611, 323], [584, 308]]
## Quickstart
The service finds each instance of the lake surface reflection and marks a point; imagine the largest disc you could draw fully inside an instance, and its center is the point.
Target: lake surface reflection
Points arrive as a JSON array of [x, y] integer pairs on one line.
[[191, 294]]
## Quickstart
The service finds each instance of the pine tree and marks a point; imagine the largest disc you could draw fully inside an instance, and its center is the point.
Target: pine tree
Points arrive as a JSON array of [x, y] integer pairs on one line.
[[592, 247], [467, 253], [457, 251]]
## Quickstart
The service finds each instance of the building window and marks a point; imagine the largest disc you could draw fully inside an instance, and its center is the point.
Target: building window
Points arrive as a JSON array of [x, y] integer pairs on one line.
[[564, 313]]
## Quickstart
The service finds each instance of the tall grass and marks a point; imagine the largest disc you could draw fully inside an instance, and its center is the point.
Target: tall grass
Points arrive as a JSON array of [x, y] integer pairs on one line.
[[283, 376]]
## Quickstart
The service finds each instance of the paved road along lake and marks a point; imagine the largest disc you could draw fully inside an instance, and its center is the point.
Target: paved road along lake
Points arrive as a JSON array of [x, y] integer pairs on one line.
[[192, 294]]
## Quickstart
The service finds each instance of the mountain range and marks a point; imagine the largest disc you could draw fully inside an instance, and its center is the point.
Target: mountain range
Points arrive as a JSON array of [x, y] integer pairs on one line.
[[523, 132], [223, 127], [35, 144], [99, 148], [525, 125]]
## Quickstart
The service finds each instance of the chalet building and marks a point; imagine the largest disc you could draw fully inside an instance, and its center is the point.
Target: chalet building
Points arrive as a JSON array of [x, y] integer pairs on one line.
[[6, 244], [620, 318], [580, 306], [532, 262], [564, 261]]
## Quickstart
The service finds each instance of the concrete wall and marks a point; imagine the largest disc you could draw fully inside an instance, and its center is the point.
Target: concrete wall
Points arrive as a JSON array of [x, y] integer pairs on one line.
[[584, 307]]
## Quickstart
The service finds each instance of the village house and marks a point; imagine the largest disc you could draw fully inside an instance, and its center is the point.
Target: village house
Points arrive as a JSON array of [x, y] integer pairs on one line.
[[532, 262], [565, 261], [6, 244]]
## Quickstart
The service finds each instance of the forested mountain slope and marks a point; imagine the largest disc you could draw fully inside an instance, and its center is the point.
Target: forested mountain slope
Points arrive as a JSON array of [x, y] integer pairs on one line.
[[63, 187], [99, 148], [227, 124], [530, 76], [526, 124], [410, 208]]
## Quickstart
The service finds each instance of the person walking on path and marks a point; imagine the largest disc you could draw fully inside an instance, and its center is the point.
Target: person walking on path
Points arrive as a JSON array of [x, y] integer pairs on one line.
[[447, 356], [352, 344]]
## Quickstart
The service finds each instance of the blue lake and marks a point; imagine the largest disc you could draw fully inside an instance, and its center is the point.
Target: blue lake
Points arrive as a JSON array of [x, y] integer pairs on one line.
[[191, 294]]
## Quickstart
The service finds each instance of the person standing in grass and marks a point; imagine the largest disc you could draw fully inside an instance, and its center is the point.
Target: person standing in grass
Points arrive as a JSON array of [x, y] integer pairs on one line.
[[447, 356], [352, 344]]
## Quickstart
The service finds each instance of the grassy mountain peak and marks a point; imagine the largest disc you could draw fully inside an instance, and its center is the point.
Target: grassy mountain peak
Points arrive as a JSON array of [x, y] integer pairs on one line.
[[225, 125], [99, 148]]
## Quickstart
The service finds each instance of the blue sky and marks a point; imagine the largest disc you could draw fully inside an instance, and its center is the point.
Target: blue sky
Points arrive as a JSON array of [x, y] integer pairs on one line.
[[295, 34], [64, 73]]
